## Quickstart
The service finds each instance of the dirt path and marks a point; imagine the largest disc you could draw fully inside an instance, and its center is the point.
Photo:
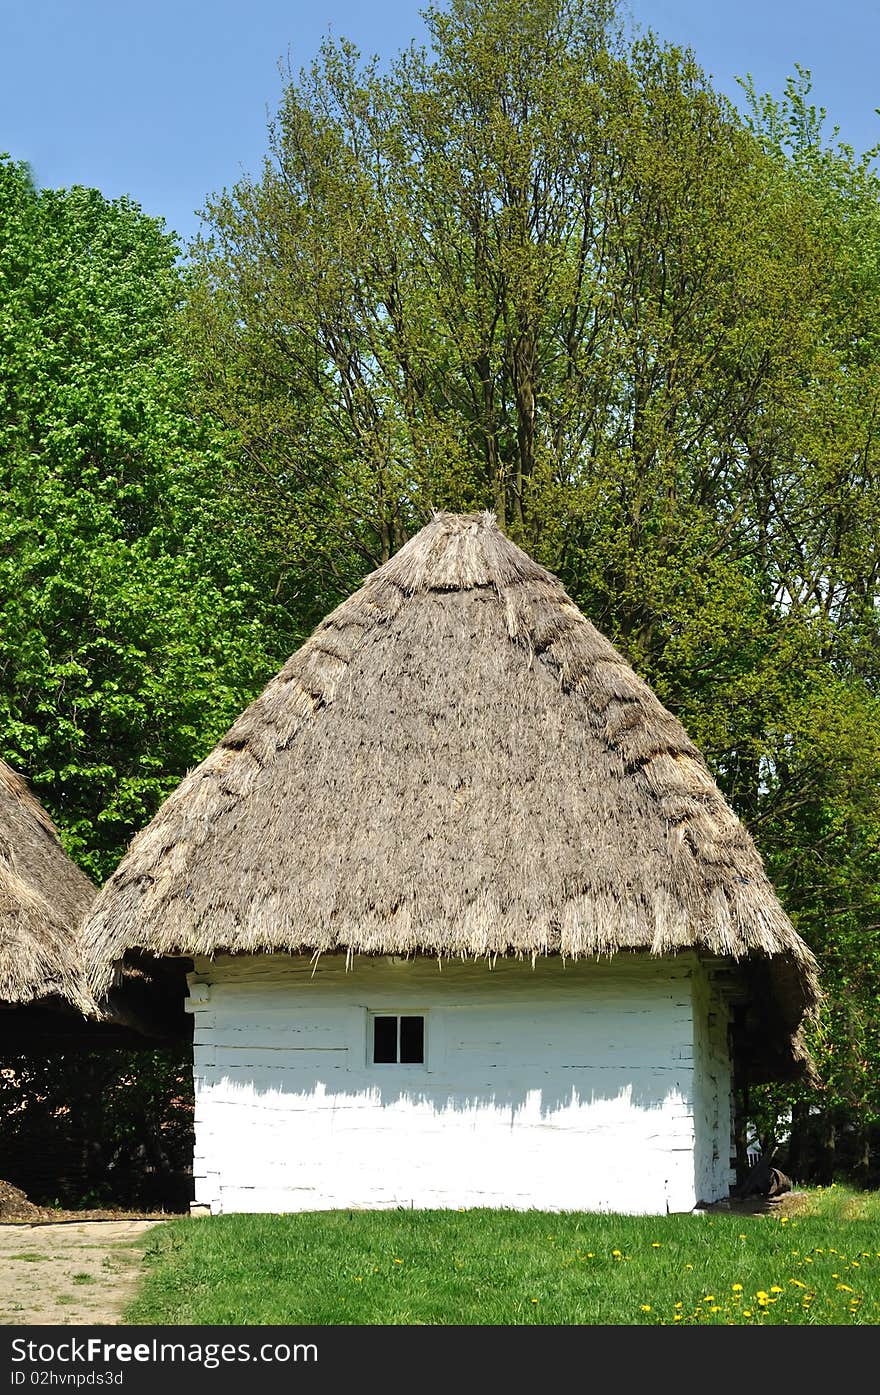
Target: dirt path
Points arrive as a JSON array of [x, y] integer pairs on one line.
[[79, 1272]]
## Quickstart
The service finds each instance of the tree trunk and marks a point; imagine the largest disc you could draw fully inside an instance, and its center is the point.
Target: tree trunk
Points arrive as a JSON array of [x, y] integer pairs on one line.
[[798, 1153], [827, 1159]]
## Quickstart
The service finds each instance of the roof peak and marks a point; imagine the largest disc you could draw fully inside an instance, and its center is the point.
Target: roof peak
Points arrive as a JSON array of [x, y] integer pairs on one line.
[[464, 522], [460, 551]]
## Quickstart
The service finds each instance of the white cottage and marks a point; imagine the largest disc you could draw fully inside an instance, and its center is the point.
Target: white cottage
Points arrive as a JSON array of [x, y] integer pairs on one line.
[[470, 923]]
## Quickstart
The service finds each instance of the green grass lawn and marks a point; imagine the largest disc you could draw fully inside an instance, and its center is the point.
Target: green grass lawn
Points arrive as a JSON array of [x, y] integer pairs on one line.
[[819, 1265]]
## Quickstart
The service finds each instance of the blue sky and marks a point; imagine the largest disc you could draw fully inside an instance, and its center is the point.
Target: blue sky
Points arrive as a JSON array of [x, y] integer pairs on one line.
[[167, 100]]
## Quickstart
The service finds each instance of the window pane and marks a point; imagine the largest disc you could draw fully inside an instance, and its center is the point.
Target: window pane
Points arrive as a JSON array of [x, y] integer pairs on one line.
[[384, 1039], [412, 1040]]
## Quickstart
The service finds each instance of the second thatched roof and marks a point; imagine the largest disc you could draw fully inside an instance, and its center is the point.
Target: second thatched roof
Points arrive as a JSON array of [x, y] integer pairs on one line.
[[43, 897], [455, 763]]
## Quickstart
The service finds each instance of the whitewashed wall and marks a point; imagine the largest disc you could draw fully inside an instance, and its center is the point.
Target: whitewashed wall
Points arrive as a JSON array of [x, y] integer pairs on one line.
[[712, 1090], [559, 1087]]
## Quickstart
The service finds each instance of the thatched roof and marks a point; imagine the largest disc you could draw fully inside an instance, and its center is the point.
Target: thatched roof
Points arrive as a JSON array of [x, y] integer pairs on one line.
[[43, 897], [456, 762]]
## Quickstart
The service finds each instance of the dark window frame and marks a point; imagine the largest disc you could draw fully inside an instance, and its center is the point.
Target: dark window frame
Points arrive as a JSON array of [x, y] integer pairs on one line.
[[409, 1041]]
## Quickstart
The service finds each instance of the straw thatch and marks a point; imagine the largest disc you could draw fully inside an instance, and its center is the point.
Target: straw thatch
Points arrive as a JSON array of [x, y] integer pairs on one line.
[[43, 897], [456, 762]]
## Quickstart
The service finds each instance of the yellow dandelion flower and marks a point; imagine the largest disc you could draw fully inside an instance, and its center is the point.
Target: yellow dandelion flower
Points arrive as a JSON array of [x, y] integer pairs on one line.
[[844, 1288], [774, 1288], [679, 1305], [688, 1266], [677, 1317], [616, 1254], [646, 1307], [747, 1312], [797, 1283], [398, 1261], [534, 1300], [655, 1244], [715, 1309], [855, 1264], [710, 1298], [737, 1288], [783, 1220]]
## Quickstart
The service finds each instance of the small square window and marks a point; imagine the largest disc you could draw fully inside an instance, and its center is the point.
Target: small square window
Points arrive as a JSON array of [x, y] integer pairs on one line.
[[397, 1039]]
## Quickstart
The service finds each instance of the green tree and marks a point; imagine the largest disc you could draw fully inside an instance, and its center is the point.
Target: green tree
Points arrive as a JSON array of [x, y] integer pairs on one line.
[[132, 627], [818, 815], [536, 269]]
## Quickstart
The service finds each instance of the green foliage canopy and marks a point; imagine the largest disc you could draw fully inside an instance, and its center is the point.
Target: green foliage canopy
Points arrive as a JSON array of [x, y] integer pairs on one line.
[[131, 628]]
